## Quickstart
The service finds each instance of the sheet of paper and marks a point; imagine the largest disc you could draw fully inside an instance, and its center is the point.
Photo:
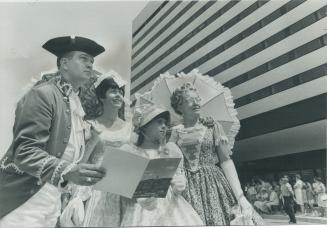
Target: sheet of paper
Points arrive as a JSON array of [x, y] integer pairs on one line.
[[132, 175], [124, 172]]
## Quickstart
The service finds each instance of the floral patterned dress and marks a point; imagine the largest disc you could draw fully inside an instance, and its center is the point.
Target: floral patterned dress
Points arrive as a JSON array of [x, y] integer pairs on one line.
[[208, 191]]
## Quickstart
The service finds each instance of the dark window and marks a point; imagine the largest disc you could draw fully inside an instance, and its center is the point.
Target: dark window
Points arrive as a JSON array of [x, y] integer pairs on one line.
[[156, 23], [150, 18], [288, 83]]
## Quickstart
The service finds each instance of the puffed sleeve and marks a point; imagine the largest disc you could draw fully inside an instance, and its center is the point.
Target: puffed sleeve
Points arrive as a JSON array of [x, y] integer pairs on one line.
[[93, 146], [34, 114], [180, 174], [221, 143]]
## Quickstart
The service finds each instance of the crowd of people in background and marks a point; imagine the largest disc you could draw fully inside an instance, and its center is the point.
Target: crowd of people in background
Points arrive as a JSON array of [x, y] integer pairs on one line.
[[301, 197]]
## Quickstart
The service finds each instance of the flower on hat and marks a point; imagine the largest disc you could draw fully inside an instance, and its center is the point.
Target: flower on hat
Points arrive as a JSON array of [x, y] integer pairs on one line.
[[143, 106]]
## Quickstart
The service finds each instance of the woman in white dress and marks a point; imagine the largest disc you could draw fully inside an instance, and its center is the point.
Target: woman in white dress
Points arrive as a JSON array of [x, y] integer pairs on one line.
[[320, 193], [298, 192], [102, 209], [173, 210]]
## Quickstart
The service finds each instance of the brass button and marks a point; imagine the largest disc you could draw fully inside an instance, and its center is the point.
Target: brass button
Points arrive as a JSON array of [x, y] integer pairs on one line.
[[39, 182], [67, 110], [69, 127]]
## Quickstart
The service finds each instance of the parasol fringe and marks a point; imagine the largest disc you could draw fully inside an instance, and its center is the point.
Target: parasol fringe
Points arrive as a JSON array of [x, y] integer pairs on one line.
[[233, 112], [235, 128], [218, 86]]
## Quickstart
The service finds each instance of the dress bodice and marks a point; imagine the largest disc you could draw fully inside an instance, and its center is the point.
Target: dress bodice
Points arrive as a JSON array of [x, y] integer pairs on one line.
[[114, 137], [111, 137], [197, 145]]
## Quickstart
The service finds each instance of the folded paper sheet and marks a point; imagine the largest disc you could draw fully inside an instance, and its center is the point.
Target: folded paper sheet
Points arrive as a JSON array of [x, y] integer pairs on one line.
[[133, 176]]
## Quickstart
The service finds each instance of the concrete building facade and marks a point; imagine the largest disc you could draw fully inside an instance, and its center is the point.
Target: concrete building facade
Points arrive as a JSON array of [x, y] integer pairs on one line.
[[271, 54]]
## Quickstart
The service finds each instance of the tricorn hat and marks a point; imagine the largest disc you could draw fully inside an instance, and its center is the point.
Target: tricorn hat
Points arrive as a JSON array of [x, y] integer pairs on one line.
[[62, 45]]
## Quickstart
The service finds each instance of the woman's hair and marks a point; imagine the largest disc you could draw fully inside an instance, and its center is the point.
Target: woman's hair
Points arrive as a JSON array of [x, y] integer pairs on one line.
[[140, 130], [102, 89], [176, 100]]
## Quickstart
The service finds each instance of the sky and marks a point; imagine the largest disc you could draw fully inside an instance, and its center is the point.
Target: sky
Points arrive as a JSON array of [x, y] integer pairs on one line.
[[26, 26]]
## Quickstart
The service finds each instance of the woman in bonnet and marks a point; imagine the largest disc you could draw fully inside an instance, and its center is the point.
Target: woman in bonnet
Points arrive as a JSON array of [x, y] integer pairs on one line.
[[151, 125], [101, 209]]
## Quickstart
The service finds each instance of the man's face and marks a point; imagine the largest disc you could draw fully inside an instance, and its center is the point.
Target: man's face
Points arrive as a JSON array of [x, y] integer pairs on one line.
[[79, 66]]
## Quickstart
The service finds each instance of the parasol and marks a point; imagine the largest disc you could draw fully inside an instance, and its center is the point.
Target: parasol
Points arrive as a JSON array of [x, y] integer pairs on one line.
[[216, 100]]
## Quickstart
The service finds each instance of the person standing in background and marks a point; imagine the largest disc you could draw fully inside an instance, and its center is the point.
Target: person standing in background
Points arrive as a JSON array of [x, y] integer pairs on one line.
[[310, 196], [288, 199], [298, 186], [320, 191]]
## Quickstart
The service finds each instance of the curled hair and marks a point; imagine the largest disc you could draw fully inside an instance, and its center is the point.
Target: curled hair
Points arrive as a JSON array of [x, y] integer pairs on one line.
[[106, 84], [90, 98], [178, 95], [102, 89], [176, 100]]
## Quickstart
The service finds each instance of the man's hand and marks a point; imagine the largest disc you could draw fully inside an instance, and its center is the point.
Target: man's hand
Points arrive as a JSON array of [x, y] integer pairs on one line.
[[85, 174]]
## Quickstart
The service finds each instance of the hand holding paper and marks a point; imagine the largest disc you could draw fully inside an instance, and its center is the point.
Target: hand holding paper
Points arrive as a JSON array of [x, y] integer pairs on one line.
[[134, 176]]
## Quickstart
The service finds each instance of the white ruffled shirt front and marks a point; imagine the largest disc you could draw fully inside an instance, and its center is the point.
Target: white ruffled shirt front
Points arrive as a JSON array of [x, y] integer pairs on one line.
[[76, 144]]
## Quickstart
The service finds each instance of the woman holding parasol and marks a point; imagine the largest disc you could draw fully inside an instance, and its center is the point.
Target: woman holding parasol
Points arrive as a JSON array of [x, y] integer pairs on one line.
[[212, 190]]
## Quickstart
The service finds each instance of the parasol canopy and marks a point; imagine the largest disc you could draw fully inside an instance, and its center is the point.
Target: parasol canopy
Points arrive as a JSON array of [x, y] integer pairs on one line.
[[216, 100]]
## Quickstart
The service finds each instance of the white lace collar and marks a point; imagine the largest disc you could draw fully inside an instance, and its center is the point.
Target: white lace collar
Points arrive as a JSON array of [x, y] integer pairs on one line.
[[197, 127]]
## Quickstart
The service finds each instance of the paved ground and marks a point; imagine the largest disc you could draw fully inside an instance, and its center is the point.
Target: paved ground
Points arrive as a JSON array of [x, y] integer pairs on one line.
[[277, 222], [282, 219]]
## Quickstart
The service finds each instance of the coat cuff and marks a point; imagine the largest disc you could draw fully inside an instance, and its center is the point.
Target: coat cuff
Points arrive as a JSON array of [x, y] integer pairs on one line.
[[62, 184], [57, 173]]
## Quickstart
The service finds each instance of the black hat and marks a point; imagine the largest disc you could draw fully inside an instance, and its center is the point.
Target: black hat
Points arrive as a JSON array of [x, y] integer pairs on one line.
[[62, 45]]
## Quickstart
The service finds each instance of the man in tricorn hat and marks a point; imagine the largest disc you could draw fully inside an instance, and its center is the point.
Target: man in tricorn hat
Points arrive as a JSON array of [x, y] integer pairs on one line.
[[49, 140]]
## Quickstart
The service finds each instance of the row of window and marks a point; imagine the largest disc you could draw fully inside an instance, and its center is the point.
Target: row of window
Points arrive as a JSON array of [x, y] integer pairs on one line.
[[171, 35], [278, 61], [239, 37], [157, 22], [289, 83], [200, 44], [150, 18], [290, 30], [288, 6]]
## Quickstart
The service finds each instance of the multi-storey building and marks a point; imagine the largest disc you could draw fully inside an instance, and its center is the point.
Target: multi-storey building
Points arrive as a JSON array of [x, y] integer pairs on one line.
[[271, 54]]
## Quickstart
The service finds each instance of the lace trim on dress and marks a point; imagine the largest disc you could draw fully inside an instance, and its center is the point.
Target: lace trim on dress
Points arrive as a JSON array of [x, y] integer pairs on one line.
[[191, 135]]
